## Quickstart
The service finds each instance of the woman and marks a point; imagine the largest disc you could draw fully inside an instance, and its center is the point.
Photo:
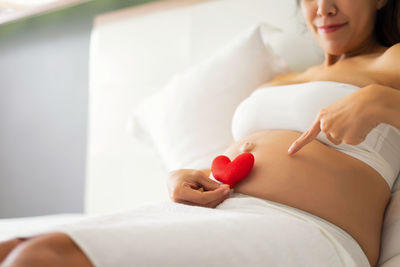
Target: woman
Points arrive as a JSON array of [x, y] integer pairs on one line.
[[342, 189]]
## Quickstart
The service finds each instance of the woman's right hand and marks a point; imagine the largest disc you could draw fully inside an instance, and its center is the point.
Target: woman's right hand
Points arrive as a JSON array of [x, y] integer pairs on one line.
[[193, 187]]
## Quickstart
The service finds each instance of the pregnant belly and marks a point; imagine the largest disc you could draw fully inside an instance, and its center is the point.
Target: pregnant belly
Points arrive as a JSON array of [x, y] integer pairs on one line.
[[318, 179]]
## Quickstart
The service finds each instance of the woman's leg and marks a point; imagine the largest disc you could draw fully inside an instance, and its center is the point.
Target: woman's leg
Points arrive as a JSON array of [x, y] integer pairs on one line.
[[7, 246], [53, 249]]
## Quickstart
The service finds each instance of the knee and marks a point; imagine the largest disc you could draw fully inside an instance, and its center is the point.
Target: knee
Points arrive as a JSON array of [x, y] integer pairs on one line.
[[47, 250]]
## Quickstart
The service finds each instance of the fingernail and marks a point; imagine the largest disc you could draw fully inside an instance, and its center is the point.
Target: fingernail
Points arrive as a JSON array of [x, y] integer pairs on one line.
[[226, 191], [290, 148]]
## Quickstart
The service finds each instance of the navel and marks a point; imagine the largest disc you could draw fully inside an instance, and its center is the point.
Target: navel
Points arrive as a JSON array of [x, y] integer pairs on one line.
[[247, 147]]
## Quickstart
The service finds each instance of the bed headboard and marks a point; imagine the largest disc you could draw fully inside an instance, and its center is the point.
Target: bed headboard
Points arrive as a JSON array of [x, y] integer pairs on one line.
[[134, 52]]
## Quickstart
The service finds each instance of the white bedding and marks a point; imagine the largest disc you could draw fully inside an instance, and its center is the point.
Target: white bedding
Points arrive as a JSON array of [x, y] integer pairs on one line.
[[16, 227], [112, 153], [241, 231]]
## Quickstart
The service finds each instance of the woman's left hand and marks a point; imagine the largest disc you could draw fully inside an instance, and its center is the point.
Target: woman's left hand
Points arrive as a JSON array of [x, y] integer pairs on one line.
[[349, 119]]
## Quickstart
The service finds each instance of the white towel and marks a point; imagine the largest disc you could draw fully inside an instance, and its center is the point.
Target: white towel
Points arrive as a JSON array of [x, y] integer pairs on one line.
[[241, 231]]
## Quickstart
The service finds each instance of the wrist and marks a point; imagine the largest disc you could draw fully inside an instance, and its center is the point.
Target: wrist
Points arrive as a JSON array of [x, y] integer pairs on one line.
[[386, 101]]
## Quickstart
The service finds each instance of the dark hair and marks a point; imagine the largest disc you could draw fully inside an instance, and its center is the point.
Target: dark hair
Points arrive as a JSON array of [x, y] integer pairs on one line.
[[387, 23]]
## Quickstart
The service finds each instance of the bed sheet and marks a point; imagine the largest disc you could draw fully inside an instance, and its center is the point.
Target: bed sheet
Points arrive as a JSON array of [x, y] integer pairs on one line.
[[25, 226], [241, 231]]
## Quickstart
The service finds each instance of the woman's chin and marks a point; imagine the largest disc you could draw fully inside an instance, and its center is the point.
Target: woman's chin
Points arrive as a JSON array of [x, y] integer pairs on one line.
[[332, 49]]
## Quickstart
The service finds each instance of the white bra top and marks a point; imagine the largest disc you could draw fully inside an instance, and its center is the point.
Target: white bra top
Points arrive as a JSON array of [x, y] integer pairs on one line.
[[295, 107]]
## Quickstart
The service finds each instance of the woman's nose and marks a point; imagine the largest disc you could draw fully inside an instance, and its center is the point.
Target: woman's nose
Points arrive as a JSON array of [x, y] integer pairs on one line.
[[326, 8]]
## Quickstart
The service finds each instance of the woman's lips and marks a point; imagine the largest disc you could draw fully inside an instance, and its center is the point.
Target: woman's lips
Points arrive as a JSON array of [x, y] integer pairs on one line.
[[331, 28]]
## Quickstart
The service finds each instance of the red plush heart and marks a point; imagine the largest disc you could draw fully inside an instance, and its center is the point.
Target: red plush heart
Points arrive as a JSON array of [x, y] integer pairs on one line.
[[229, 172]]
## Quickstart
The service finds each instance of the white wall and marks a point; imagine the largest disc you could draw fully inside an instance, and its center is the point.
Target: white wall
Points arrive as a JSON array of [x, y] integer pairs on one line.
[[43, 109]]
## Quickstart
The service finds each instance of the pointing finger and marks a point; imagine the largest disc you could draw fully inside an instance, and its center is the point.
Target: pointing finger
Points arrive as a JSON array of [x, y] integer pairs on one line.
[[305, 138]]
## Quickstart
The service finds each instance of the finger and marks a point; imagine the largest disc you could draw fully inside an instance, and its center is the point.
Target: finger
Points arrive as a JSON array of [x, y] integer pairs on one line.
[[353, 141], [216, 202], [183, 201], [305, 138], [193, 185], [208, 183], [211, 204], [217, 195], [335, 141], [182, 191], [185, 192]]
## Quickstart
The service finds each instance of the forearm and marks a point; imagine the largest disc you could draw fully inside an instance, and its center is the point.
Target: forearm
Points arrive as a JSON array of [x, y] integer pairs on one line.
[[389, 99]]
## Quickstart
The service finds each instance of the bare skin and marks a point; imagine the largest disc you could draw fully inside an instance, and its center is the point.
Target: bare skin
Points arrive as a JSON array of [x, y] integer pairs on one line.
[[50, 249], [353, 197], [247, 147]]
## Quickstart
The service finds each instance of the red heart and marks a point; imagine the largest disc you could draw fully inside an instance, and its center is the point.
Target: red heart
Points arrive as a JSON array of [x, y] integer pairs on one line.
[[229, 172]]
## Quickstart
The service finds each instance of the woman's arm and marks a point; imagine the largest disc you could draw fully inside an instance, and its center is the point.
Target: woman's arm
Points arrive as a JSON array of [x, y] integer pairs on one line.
[[351, 118], [206, 172], [389, 99]]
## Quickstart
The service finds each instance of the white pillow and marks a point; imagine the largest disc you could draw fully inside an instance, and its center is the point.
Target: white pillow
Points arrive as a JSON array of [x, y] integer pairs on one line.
[[189, 120]]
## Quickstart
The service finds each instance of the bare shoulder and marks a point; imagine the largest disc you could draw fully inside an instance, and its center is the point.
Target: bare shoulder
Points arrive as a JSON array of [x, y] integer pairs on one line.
[[285, 78], [394, 49], [391, 57], [390, 64]]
